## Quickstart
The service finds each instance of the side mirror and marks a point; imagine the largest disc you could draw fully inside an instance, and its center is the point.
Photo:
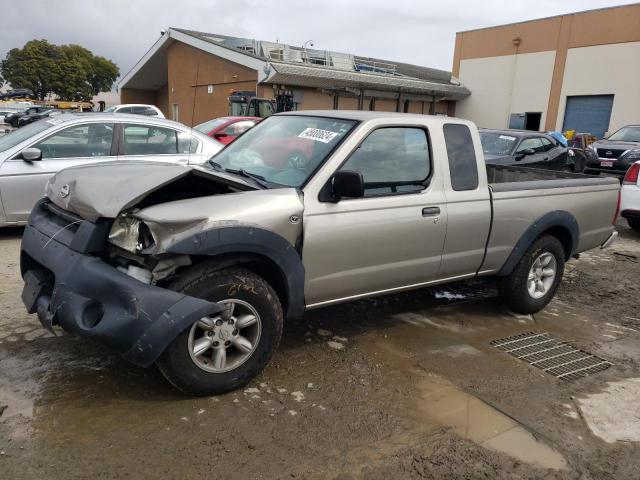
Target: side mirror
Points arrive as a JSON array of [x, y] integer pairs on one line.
[[31, 154], [220, 135], [524, 153], [347, 184]]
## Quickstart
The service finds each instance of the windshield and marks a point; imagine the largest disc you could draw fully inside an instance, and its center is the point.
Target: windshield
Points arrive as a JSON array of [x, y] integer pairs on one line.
[[284, 150], [12, 139], [110, 109], [497, 143], [207, 127], [627, 134]]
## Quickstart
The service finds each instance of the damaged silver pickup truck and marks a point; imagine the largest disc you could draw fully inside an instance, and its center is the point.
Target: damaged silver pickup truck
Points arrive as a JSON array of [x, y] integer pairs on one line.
[[194, 268]]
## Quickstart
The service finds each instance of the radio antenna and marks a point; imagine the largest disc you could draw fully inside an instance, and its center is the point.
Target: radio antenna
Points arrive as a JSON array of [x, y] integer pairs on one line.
[[193, 112]]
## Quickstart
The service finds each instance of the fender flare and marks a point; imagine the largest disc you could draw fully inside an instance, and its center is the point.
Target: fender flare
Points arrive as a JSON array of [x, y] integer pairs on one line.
[[557, 218], [249, 239]]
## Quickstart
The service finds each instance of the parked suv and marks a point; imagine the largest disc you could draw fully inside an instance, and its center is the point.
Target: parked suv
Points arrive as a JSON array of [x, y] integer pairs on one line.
[[616, 153]]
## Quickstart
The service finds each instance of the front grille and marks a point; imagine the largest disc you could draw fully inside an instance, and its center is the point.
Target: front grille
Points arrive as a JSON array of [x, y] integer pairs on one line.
[[611, 153], [60, 212], [62, 218]]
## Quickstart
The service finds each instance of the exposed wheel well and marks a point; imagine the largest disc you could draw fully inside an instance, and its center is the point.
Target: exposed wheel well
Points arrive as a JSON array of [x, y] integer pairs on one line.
[[258, 264], [564, 235]]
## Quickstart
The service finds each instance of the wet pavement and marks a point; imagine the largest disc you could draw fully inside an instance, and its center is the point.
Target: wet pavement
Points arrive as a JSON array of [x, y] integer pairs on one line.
[[403, 386]]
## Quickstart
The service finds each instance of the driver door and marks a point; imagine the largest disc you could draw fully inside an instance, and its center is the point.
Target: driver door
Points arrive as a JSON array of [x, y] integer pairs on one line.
[[22, 183], [392, 237]]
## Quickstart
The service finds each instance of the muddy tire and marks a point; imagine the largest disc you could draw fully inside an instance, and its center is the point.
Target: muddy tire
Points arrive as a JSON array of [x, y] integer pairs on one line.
[[634, 223], [223, 352], [535, 278]]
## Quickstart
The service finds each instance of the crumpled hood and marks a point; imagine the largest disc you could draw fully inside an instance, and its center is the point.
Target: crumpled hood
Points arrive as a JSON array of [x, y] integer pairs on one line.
[[278, 210], [105, 189]]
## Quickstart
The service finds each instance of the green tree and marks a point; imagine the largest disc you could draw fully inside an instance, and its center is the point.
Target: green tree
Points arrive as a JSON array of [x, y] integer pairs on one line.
[[32, 66], [69, 71]]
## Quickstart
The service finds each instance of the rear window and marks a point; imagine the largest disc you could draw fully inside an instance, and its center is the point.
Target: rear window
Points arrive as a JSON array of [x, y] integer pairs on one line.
[[462, 157]]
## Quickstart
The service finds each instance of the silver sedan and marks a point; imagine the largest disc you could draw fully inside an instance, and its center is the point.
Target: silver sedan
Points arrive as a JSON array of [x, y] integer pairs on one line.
[[30, 155]]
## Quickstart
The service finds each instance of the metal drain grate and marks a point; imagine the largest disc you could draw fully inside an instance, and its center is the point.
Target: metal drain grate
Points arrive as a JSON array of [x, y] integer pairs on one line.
[[557, 358]]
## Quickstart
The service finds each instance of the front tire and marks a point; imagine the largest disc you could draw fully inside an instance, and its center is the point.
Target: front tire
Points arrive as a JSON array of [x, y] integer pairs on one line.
[[535, 278], [221, 353]]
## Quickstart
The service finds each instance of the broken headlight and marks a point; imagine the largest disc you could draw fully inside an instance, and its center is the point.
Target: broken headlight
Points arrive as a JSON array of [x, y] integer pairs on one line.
[[131, 234]]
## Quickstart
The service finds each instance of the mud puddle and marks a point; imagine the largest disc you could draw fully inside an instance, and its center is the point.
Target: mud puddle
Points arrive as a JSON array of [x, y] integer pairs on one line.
[[437, 403], [443, 404]]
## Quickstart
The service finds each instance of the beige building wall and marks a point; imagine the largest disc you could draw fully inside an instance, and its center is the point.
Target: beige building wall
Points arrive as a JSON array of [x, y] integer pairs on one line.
[[585, 74], [590, 52], [505, 84]]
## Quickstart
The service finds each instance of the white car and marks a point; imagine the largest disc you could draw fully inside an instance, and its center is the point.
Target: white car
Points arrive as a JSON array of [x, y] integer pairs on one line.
[[630, 196], [30, 155], [136, 109]]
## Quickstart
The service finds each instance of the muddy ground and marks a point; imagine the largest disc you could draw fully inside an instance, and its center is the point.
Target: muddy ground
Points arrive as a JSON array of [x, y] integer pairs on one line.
[[404, 386]]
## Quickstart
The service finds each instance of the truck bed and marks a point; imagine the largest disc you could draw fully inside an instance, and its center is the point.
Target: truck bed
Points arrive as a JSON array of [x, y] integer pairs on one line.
[[521, 197], [509, 178]]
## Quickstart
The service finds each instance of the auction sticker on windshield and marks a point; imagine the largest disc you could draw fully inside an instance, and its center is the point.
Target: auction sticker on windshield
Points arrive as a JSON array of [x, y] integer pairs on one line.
[[324, 136], [507, 137]]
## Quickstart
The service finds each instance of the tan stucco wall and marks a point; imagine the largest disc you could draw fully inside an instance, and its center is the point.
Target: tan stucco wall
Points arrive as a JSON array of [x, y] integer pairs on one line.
[[478, 52], [312, 99], [162, 101], [348, 103], [184, 63], [132, 95]]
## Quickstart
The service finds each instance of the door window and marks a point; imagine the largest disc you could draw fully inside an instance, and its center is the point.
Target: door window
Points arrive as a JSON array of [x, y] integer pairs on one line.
[[187, 143], [547, 144], [92, 140], [265, 109], [152, 140], [531, 143], [392, 160], [463, 166]]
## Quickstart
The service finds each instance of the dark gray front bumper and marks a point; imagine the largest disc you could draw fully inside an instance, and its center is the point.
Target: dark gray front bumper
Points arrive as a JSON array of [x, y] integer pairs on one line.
[[85, 295]]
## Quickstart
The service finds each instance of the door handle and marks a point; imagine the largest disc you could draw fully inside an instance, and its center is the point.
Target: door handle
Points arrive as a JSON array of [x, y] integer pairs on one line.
[[545, 159], [430, 211]]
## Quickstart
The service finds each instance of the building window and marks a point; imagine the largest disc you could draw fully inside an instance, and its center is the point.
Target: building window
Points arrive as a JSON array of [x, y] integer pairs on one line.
[[175, 111]]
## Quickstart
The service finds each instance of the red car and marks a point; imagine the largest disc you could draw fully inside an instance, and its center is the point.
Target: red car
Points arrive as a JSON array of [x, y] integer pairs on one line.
[[226, 129]]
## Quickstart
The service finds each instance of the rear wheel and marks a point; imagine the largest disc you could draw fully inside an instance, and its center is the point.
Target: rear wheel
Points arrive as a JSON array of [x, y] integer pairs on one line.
[[223, 352], [535, 278], [634, 223]]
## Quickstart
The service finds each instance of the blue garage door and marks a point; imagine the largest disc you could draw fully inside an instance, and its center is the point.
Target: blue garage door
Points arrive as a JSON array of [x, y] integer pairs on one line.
[[588, 114]]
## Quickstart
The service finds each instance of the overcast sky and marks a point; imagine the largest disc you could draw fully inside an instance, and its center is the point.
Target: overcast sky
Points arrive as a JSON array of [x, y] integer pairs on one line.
[[419, 31]]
